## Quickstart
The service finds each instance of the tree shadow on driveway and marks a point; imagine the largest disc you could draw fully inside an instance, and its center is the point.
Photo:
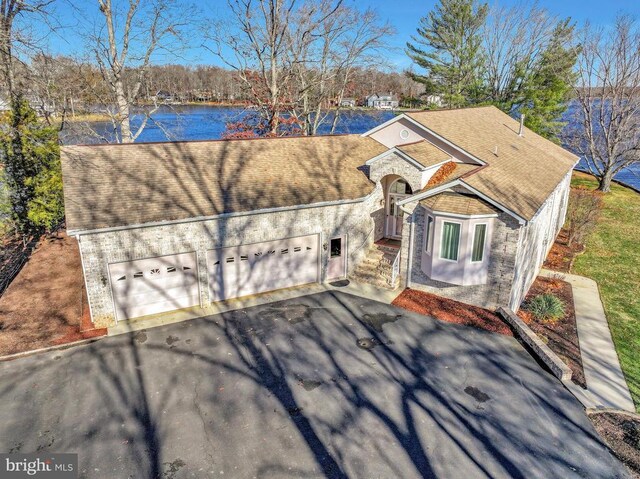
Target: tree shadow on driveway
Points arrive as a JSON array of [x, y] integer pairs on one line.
[[328, 385]]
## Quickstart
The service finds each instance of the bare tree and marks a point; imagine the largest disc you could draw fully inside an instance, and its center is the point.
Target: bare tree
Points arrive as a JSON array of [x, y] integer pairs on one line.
[[123, 46], [253, 41], [328, 42], [296, 59], [514, 38], [606, 128], [11, 38]]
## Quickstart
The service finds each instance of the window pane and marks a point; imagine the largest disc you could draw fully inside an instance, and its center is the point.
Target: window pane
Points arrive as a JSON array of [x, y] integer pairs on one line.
[[335, 247], [478, 242], [450, 241], [428, 233]]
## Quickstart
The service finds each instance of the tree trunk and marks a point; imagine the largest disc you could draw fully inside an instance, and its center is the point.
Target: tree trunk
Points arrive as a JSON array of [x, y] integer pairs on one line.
[[604, 182]]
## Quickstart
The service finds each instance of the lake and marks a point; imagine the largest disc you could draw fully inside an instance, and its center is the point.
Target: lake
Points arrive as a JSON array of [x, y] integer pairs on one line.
[[206, 122]]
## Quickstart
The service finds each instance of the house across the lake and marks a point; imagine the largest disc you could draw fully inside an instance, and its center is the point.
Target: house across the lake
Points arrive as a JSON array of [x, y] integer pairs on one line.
[[348, 102], [460, 203], [382, 101]]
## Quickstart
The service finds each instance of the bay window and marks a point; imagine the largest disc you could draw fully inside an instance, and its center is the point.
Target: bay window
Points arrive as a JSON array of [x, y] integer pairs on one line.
[[479, 234]]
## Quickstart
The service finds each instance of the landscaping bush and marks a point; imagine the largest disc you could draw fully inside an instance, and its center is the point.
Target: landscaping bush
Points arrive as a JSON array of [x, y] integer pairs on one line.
[[546, 307], [585, 206]]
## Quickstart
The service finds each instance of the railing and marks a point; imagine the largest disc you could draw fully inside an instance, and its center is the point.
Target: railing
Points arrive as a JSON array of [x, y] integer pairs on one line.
[[395, 269]]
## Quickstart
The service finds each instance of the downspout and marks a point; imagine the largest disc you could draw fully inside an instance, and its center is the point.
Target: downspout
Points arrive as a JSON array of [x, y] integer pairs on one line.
[[410, 254]]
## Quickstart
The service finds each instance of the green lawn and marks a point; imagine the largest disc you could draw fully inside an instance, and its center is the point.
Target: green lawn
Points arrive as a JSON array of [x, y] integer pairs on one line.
[[612, 258]]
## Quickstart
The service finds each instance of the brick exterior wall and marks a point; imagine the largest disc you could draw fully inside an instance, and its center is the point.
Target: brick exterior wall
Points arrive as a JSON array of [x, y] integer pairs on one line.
[[491, 295], [357, 220]]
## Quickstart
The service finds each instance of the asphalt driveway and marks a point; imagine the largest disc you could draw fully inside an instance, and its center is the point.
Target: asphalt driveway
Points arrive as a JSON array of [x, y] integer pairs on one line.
[[328, 385]]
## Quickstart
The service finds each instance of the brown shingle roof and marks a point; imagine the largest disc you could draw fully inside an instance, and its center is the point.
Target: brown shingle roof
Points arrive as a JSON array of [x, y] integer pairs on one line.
[[450, 202], [526, 170], [117, 185], [424, 153]]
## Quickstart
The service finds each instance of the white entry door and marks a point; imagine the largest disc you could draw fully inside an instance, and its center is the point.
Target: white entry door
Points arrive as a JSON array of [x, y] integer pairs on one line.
[[395, 216], [337, 258], [257, 268], [154, 285]]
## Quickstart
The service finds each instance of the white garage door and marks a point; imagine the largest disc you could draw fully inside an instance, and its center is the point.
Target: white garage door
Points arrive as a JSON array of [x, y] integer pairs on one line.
[[154, 285], [260, 267]]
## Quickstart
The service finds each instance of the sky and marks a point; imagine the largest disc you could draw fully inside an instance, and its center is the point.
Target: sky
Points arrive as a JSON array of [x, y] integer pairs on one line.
[[403, 15]]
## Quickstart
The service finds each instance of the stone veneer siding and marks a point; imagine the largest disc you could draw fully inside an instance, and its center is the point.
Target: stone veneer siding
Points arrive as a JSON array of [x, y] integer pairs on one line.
[[99, 249], [502, 255], [392, 164]]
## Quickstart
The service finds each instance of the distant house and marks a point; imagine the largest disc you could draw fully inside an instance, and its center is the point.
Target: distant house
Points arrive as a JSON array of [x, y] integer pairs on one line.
[[435, 100], [348, 102], [164, 96], [384, 101]]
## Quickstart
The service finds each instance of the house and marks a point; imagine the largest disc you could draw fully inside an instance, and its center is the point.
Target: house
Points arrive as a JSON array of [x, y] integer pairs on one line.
[[348, 102], [382, 101], [469, 202]]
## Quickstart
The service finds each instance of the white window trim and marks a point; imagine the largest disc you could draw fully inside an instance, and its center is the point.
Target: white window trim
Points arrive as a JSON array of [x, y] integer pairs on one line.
[[428, 238], [484, 246], [457, 260]]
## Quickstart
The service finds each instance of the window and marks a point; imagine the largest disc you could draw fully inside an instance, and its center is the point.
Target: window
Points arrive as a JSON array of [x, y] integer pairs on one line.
[[400, 187], [428, 234], [404, 133], [336, 247], [450, 241], [479, 235]]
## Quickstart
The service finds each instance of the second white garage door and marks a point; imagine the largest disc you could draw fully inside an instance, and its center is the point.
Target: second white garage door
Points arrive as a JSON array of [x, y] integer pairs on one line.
[[154, 285], [257, 268]]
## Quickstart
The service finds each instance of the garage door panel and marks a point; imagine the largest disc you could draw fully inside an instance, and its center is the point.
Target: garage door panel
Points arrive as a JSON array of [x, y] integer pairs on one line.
[[154, 285], [262, 267]]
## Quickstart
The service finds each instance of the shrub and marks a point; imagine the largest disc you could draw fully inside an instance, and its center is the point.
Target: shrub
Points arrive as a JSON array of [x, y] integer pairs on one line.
[[546, 307], [583, 212]]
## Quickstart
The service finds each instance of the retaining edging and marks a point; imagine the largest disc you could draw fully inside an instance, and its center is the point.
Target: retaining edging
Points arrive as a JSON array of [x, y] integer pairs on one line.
[[542, 351]]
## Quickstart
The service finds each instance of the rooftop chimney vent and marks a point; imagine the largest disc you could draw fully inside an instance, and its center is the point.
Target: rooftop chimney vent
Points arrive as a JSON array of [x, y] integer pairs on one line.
[[521, 130]]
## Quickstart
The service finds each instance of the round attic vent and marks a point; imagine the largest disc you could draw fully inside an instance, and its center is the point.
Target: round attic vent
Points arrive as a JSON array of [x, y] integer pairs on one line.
[[404, 133]]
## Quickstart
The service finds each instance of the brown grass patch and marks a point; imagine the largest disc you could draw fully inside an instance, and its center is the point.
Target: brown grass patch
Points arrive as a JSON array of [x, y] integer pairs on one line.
[[46, 304], [621, 432]]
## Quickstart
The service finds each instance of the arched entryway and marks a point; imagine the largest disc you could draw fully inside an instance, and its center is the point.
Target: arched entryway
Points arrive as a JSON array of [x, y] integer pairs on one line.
[[397, 189]]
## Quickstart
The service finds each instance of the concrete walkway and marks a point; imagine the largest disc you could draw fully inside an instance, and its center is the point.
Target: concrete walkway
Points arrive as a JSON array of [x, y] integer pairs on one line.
[[605, 381]]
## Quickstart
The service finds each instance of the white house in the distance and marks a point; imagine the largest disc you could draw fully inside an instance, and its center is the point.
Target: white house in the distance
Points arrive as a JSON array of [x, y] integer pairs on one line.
[[382, 101]]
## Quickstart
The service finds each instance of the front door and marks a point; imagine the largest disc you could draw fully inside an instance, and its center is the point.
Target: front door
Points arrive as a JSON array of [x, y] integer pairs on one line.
[[398, 190], [395, 216], [337, 258]]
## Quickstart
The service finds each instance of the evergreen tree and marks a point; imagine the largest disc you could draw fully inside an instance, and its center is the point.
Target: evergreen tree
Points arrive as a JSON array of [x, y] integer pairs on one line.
[[448, 48], [31, 156], [548, 86]]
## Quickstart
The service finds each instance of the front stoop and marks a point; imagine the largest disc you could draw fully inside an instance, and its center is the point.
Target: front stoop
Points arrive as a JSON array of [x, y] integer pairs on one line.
[[375, 268]]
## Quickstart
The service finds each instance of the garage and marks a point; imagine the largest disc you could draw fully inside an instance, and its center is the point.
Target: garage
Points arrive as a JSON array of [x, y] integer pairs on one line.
[[154, 285], [257, 268]]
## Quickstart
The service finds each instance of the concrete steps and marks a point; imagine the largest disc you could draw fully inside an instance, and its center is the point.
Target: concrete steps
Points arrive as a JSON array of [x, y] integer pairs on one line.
[[376, 268]]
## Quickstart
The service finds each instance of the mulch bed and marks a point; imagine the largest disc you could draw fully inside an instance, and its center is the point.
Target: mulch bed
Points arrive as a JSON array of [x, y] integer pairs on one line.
[[621, 432], [451, 311], [46, 304], [562, 255], [561, 335]]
